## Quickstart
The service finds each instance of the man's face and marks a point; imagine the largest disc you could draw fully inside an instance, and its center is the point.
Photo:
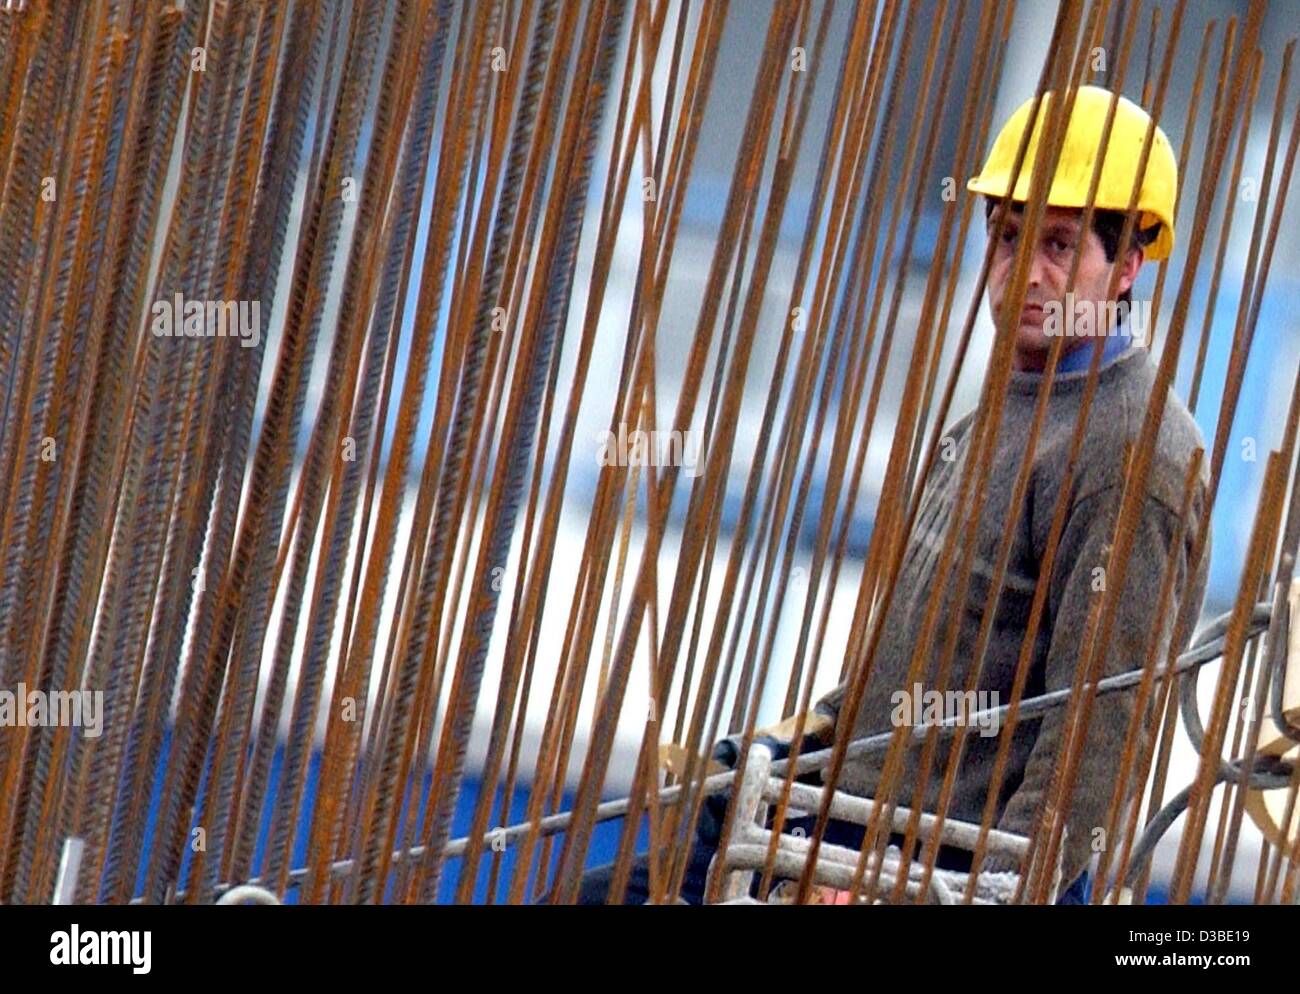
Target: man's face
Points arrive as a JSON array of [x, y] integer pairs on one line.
[[1060, 238]]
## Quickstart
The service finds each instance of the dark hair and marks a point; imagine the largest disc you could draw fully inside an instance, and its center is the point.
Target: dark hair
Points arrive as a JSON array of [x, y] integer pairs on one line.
[[1107, 225]]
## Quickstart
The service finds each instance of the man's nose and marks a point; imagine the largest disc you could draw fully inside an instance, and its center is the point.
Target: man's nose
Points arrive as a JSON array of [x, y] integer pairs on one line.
[[1037, 270]]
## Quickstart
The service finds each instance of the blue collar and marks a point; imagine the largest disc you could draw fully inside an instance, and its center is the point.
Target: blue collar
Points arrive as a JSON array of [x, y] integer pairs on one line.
[[1078, 360]]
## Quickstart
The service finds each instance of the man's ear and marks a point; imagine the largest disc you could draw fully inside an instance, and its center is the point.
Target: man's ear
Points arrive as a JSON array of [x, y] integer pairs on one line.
[[1132, 263]]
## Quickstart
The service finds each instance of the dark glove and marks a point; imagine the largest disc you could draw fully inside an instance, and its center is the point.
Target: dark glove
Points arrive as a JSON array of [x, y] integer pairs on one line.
[[819, 729]]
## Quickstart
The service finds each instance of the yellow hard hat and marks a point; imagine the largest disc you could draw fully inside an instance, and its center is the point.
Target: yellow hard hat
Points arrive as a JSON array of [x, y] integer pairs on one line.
[[1073, 176]]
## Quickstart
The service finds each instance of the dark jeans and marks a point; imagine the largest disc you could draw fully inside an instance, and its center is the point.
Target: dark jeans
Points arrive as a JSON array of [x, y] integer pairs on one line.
[[1077, 892], [595, 882]]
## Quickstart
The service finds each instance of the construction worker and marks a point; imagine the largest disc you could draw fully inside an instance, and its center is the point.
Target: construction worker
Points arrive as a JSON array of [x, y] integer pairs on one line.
[[1093, 491]]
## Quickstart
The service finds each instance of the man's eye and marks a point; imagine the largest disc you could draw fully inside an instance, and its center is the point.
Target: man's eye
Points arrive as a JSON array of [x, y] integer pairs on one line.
[[1009, 235]]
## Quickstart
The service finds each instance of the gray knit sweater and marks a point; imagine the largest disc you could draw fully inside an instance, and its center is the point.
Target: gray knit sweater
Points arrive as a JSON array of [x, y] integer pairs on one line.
[[1077, 578]]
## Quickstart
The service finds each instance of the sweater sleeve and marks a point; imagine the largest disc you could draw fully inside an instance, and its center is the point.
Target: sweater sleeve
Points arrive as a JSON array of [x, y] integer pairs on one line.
[[1078, 581], [831, 703]]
